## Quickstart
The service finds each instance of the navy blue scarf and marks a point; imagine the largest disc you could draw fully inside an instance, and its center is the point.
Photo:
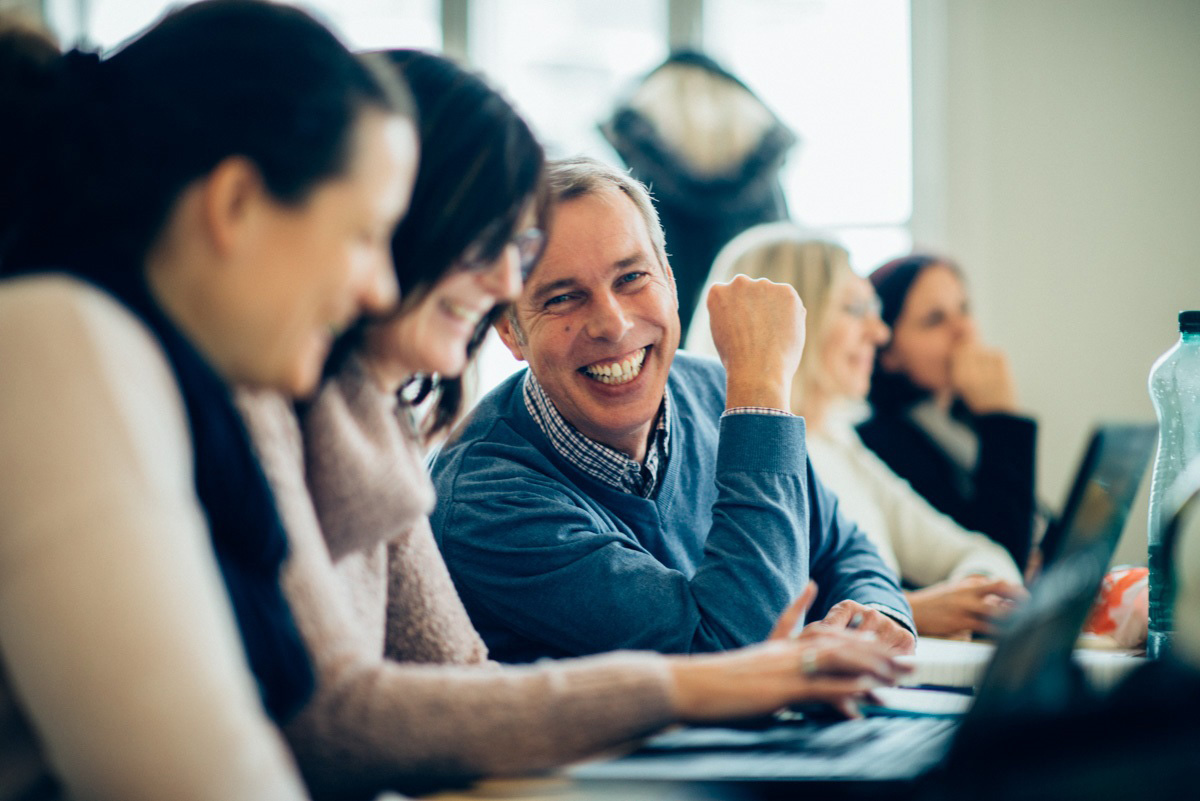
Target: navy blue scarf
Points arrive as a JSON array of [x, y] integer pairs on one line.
[[248, 536]]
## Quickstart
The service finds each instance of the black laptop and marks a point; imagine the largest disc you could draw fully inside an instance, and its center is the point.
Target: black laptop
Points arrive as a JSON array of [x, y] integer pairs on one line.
[[1031, 669], [1110, 467]]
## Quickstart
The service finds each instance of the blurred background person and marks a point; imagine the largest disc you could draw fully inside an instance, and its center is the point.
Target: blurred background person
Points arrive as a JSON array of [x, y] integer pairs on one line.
[[965, 580], [944, 412]]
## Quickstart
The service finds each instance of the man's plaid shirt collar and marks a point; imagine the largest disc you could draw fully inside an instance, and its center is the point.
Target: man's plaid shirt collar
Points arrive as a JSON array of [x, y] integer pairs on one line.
[[605, 464]]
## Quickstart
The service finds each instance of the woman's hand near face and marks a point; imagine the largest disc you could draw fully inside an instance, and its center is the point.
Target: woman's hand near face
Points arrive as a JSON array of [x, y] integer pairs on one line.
[[967, 606], [980, 375]]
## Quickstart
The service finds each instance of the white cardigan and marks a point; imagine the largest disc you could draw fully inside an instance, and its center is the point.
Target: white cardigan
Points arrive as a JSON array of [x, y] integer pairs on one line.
[[920, 543], [123, 674]]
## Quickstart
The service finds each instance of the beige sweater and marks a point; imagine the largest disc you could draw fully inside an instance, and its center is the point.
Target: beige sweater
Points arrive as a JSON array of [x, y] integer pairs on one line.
[[376, 722], [123, 675]]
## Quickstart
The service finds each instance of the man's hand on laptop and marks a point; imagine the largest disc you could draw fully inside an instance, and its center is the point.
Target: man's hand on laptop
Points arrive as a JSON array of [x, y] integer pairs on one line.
[[758, 330], [861, 619]]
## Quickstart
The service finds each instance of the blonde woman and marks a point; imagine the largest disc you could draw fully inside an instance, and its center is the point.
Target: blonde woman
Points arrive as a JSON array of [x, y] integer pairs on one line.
[[964, 580]]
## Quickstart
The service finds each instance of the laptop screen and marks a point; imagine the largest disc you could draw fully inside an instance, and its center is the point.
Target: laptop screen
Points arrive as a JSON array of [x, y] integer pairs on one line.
[[1030, 670], [1103, 490]]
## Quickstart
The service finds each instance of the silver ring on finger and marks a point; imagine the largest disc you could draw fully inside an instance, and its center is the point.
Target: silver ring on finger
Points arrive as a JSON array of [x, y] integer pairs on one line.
[[808, 662]]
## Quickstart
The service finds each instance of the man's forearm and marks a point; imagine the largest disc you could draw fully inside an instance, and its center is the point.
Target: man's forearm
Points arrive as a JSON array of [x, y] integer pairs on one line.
[[756, 544]]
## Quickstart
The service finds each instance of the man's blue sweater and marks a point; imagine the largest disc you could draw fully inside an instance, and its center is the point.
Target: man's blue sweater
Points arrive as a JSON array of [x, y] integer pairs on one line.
[[551, 562]]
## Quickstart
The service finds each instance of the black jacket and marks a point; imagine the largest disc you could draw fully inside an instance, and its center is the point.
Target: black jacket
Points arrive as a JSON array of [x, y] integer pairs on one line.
[[996, 498]]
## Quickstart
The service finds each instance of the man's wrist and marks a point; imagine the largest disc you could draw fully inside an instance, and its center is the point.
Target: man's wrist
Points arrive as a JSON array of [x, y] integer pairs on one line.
[[896, 615], [757, 391]]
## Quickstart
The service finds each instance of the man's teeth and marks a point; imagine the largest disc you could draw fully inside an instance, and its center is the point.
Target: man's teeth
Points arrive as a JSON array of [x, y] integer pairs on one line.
[[463, 313], [618, 372]]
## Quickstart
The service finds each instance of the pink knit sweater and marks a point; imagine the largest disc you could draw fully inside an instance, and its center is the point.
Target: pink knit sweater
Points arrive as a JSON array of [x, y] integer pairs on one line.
[[365, 579]]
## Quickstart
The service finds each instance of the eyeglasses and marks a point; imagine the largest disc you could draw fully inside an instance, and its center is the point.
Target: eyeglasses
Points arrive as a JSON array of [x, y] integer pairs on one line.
[[529, 244], [862, 309]]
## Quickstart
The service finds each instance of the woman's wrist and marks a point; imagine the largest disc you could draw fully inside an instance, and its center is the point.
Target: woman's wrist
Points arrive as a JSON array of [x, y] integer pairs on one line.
[[686, 686]]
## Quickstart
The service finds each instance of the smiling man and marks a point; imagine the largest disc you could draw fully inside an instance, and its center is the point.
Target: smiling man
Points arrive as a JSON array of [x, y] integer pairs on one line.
[[619, 495]]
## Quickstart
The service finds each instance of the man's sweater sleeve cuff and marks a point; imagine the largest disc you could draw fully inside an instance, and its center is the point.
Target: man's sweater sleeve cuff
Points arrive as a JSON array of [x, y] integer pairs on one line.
[[762, 443], [899, 617], [767, 410]]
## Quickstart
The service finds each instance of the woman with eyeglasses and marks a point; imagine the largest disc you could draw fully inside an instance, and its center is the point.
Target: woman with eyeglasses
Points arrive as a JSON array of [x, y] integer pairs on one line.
[[965, 581], [175, 232], [406, 696]]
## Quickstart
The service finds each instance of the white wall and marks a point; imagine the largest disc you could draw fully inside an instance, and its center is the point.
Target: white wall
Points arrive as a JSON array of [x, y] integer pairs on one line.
[[1057, 159]]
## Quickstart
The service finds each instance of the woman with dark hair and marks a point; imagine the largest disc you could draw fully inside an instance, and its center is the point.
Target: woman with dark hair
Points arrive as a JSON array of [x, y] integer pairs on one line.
[[479, 183], [944, 411], [371, 593], [201, 208]]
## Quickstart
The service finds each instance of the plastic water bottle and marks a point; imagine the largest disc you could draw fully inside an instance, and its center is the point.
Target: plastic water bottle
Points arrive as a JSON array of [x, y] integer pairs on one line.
[[1175, 391]]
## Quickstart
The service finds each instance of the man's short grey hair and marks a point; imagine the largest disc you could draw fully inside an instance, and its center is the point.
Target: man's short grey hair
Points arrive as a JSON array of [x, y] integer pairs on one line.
[[580, 176]]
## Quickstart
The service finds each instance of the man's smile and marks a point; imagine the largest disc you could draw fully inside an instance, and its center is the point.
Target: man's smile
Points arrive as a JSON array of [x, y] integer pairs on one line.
[[617, 372]]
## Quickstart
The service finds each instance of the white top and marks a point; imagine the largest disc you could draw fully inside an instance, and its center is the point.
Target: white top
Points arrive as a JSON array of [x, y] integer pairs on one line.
[[118, 642], [920, 543]]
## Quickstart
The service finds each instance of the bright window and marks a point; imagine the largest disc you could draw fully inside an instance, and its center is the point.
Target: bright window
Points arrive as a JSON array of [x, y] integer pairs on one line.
[[837, 72], [365, 24]]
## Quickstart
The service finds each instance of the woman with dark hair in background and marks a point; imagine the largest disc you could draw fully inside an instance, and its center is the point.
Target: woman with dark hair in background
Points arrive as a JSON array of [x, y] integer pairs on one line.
[[944, 409], [167, 244], [371, 593]]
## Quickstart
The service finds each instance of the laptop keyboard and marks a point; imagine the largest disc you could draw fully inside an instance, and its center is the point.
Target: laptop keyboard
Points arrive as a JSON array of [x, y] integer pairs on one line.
[[870, 749]]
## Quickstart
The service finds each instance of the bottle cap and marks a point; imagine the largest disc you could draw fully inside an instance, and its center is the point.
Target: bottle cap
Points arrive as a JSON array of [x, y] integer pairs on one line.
[[1189, 322]]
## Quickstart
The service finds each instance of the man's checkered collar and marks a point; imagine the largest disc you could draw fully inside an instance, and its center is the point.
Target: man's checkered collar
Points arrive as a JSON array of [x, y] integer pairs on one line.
[[605, 464]]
